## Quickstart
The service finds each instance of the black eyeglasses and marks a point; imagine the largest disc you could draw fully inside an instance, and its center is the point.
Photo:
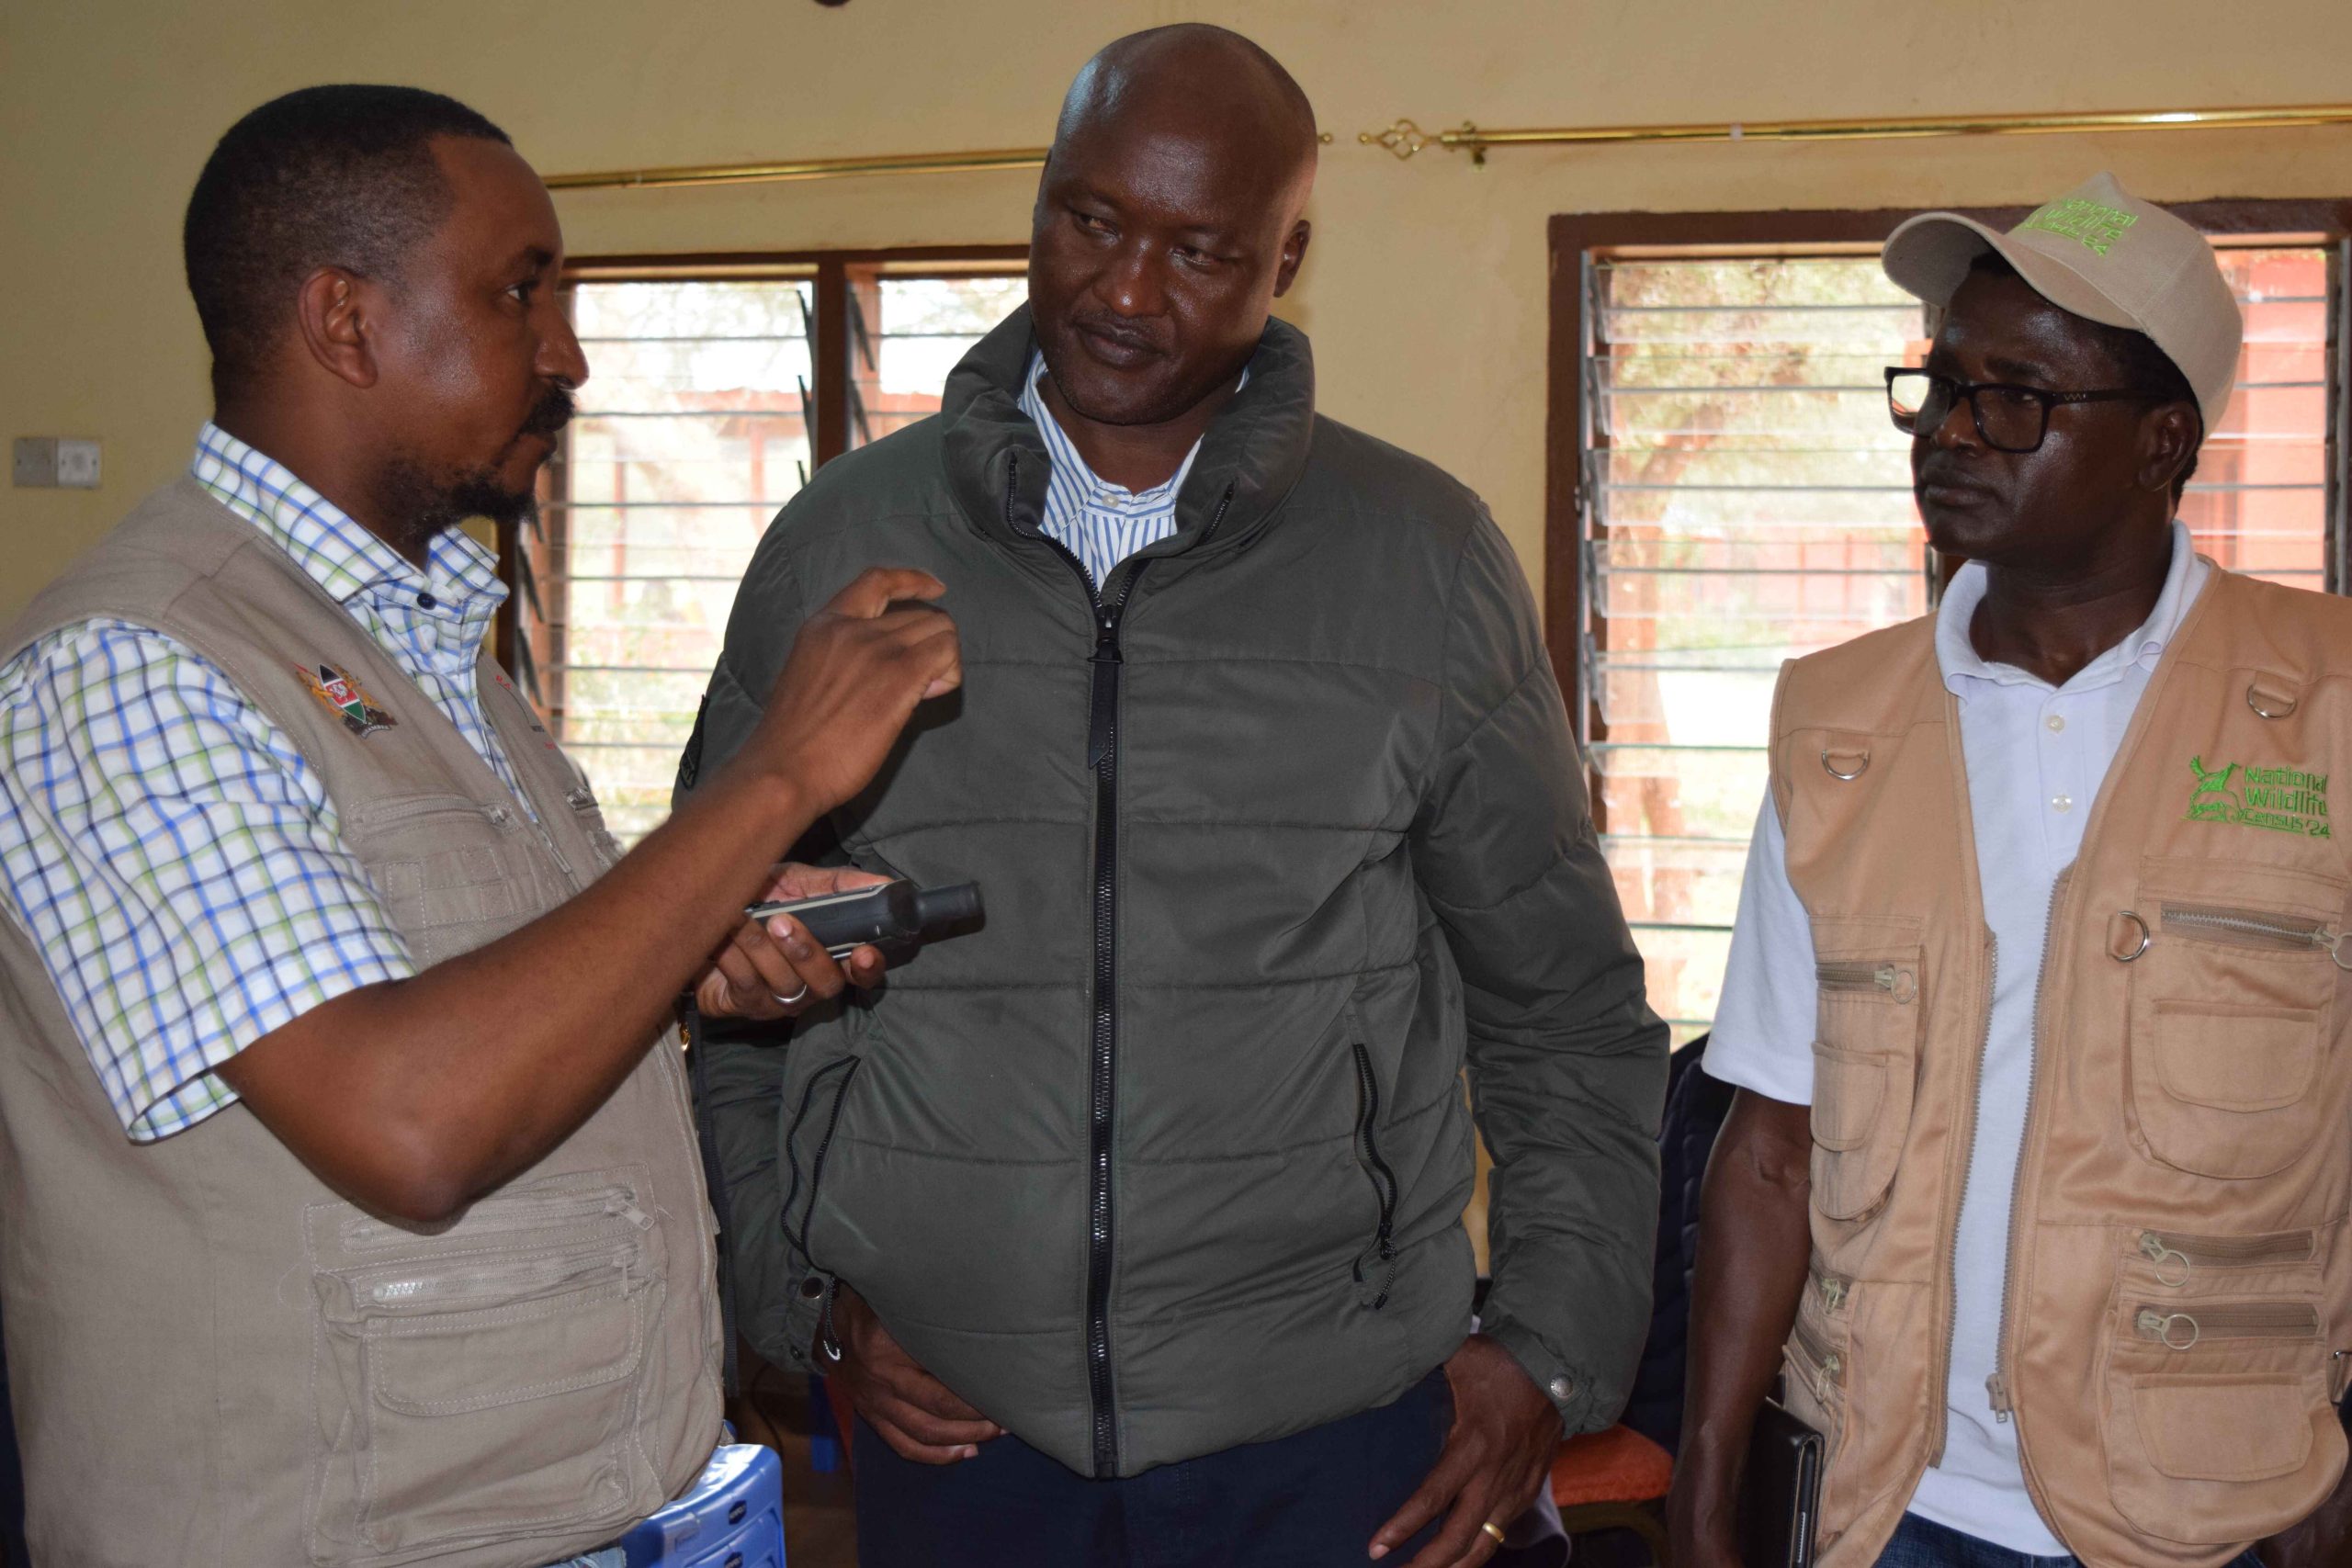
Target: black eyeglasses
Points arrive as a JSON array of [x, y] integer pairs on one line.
[[2009, 417]]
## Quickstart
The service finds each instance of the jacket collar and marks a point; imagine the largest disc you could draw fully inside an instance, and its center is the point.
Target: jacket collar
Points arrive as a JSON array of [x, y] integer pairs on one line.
[[1255, 449]]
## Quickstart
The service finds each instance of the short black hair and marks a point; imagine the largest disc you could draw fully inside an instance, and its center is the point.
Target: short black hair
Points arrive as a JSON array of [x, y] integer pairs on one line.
[[337, 176], [2143, 366]]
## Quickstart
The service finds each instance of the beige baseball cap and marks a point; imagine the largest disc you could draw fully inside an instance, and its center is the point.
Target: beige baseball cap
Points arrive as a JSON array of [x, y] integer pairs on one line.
[[2100, 252]]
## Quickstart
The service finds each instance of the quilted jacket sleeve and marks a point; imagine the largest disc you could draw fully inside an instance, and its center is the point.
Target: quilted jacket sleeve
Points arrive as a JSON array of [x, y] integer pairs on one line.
[[1567, 1064], [746, 1062]]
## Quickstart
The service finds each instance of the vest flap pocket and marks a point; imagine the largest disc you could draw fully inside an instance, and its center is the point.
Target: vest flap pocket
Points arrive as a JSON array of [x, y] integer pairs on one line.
[[2225, 1089], [2222, 1428], [1864, 1063], [481, 1380], [2231, 1058], [1849, 1091]]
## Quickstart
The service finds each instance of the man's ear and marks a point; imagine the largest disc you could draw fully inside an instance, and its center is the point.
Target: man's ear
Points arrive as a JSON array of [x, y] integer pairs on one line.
[[334, 311], [1294, 252], [2168, 437]]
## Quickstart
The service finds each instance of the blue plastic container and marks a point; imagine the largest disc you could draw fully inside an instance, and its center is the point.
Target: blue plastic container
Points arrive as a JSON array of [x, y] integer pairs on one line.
[[733, 1519]]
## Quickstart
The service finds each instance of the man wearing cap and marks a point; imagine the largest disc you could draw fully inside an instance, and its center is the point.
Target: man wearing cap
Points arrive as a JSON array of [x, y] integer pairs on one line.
[[2036, 1180]]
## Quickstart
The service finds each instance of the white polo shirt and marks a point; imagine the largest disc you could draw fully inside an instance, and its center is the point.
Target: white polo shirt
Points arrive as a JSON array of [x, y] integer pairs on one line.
[[2035, 756]]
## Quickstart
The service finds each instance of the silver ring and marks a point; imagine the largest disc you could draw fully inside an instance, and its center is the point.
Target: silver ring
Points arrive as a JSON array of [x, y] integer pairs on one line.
[[795, 1000], [2146, 937], [1862, 764]]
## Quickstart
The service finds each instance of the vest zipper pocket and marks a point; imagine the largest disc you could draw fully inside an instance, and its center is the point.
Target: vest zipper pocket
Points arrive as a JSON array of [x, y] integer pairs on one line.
[[847, 1068], [2176, 1255], [508, 1216], [1864, 976], [1384, 1181], [426, 1286], [2255, 928], [1827, 1365], [2179, 1330]]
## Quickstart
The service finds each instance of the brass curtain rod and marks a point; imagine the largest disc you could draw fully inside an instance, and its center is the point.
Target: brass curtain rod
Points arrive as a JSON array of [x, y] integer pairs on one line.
[[1404, 138], [809, 169], [803, 169]]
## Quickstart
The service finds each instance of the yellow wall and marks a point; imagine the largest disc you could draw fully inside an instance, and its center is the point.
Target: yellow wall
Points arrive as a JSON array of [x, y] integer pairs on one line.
[[1425, 292]]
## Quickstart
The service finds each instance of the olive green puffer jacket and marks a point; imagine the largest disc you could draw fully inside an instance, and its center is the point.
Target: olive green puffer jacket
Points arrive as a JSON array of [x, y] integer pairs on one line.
[[1171, 1155]]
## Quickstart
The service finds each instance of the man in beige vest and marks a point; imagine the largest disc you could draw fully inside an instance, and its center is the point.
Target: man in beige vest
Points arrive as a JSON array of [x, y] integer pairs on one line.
[[2035, 1186], [352, 1209]]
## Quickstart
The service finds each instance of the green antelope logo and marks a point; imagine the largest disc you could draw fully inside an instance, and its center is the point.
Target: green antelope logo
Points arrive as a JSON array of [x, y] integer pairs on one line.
[[2283, 799]]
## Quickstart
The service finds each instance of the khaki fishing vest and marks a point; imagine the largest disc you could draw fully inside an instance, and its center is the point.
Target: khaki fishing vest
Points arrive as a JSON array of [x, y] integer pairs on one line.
[[2177, 1278], [213, 1359]]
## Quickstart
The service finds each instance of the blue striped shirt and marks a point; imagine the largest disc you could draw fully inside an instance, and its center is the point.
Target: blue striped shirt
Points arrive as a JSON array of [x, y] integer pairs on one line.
[[167, 848], [1100, 522]]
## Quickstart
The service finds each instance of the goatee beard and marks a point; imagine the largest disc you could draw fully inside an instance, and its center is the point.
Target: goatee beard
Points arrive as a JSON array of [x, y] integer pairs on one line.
[[421, 505]]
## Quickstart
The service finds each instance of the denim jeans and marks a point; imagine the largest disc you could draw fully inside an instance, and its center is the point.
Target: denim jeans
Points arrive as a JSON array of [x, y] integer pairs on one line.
[[1921, 1543]]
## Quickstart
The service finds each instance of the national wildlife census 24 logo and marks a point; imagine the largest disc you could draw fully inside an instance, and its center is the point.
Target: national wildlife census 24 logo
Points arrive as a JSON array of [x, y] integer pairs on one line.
[[2285, 800]]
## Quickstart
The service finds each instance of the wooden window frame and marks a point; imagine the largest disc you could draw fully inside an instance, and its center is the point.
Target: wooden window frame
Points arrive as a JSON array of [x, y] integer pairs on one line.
[[830, 271], [1576, 235]]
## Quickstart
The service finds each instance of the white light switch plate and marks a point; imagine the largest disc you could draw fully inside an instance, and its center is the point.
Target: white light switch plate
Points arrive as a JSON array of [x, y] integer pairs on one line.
[[77, 464]]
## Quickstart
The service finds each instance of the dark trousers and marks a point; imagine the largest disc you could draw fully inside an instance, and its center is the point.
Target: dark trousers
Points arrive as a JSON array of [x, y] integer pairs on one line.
[[1311, 1500], [1921, 1543]]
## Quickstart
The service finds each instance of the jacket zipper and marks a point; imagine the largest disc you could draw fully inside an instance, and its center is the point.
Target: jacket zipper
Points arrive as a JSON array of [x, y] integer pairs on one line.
[[847, 1067], [2254, 928], [2220, 1251], [1901, 983], [2177, 1330], [1998, 1385], [1103, 757], [1384, 1181]]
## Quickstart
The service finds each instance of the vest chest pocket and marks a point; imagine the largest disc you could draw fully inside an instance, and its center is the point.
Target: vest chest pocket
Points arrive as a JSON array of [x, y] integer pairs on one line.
[[1864, 1066], [2233, 1005], [448, 867], [481, 1380]]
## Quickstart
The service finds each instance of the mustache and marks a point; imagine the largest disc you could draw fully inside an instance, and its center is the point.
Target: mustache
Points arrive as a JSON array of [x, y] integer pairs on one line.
[[550, 413], [1121, 330], [1947, 472]]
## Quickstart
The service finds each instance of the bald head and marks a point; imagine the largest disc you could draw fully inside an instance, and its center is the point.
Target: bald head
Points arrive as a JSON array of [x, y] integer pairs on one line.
[[1194, 73], [1168, 221]]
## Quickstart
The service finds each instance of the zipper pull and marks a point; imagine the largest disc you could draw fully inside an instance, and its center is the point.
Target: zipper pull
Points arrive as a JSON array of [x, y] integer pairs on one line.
[[1833, 1293], [2334, 943], [1996, 1388], [825, 1341], [2160, 1326], [2152, 1247], [1103, 722], [1832, 1366], [623, 1208], [1900, 984]]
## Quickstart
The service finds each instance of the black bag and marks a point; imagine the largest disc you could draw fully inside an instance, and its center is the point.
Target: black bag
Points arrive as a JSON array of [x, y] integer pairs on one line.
[[1779, 1502]]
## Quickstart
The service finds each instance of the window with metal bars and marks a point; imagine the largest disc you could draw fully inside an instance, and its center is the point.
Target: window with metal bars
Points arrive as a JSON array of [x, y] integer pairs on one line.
[[1741, 497], [714, 388]]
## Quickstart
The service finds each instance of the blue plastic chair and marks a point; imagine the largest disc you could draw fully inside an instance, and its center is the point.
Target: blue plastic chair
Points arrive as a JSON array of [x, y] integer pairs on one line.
[[733, 1519]]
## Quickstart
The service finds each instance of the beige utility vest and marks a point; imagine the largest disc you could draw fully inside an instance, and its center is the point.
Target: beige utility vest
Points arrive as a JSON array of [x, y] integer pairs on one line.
[[214, 1358], [2177, 1274]]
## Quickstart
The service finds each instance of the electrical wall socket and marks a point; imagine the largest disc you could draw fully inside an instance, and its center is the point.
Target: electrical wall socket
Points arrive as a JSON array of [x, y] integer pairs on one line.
[[61, 462]]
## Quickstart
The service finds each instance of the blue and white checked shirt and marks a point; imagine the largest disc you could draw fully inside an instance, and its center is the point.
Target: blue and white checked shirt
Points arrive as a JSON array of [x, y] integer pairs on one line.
[[1100, 522], [174, 859]]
